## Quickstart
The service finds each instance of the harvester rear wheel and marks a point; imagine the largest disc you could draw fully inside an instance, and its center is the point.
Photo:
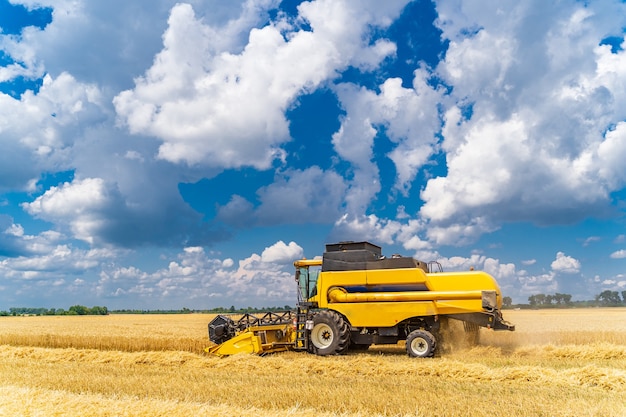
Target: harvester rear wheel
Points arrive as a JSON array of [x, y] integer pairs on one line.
[[330, 334], [421, 344]]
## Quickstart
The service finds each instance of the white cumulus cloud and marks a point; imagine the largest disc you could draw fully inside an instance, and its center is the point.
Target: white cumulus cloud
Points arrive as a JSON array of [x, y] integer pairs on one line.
[[565, 264], [214, 106], [282, 253], [78, 203], [410, 119], [536, 129], [618, 254]]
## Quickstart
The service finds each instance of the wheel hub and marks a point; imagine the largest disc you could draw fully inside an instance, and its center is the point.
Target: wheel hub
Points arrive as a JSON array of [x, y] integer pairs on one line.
[[419, 345], [322, 336]]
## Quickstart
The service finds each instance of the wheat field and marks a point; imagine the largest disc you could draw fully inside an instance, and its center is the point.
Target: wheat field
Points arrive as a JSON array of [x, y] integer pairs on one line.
[[556, 363]]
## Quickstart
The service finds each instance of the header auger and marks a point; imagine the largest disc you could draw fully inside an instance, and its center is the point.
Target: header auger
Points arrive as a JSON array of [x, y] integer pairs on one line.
[[270, 332], [354, 297]]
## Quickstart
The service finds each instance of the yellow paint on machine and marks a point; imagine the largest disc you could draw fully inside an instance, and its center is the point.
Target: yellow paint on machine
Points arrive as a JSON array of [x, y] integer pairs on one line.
[[257, 340], [443, 294]]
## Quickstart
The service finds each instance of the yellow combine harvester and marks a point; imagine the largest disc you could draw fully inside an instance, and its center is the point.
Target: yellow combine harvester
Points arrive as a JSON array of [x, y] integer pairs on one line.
[[354, 297]]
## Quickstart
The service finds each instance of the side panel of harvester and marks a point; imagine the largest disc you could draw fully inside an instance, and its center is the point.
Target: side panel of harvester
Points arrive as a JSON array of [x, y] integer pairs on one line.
[[385, 297], [359, 297]]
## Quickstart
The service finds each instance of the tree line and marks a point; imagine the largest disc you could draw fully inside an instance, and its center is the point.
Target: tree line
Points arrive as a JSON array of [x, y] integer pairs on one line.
[[75, 310], [216, 310], [605, 298], [611, 297], [543, 299], [79, 310]]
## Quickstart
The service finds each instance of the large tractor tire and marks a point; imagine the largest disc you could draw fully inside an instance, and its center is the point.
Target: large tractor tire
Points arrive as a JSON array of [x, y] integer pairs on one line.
[[421, 344], [330, 334]]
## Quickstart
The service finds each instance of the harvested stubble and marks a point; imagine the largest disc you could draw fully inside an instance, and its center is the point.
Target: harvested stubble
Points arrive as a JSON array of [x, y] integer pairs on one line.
[[583, 378]]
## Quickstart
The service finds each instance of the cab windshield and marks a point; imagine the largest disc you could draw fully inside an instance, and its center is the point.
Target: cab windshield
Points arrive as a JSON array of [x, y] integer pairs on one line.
[[307, 281]]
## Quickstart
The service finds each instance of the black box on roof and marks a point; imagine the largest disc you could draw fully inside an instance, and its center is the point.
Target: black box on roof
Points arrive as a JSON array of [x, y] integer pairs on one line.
[[335, 263], [339, 265], [352, 256], [350, 246]]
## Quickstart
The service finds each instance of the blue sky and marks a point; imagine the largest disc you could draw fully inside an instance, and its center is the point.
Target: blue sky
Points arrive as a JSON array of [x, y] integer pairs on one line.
[[184, 154]]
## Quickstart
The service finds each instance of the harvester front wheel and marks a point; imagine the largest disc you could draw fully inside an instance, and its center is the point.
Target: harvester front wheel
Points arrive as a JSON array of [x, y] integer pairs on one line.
[[330, 334], [420, 344]]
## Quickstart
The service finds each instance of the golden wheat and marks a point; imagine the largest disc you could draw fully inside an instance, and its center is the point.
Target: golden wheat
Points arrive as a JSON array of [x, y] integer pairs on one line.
[[130, 333], [557, 363]]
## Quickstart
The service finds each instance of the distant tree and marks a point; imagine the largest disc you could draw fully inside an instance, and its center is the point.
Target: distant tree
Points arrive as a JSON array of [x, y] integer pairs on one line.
[[29, 311], [98, 311], [79, 310], [567, 298], [543, 299], [624, 297], [537, 299], [507, 301], [609, 297]]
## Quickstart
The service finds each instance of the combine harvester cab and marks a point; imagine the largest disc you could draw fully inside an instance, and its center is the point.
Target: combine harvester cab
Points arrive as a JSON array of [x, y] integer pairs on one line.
[[354, 297]]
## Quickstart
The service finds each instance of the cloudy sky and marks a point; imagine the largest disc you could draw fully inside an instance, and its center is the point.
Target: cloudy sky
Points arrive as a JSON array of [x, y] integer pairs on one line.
[[170, 155]]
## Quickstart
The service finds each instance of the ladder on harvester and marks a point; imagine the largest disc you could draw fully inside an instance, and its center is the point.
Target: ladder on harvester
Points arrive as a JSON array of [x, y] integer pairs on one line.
[[302, 336]]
